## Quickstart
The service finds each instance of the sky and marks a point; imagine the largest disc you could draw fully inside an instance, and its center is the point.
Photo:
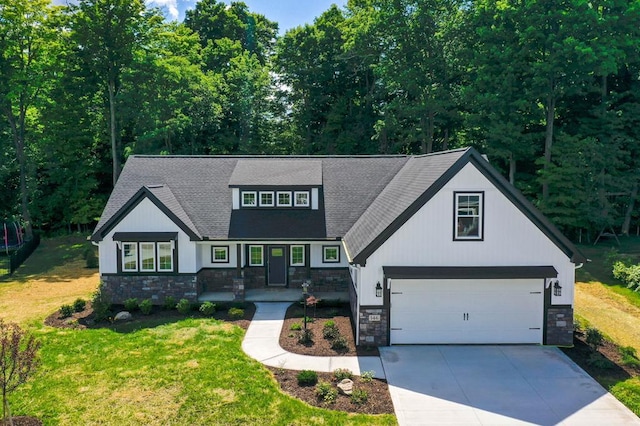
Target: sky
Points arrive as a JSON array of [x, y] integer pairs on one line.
[[287, 13]]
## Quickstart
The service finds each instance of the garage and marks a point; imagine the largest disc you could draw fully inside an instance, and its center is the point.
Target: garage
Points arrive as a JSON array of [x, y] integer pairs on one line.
[[456, 309]]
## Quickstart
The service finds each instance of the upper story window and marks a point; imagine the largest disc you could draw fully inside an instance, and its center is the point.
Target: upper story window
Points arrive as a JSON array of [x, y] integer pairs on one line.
[[284, 198], [266, 199], [469, 221], [249, 199], [301, 198]]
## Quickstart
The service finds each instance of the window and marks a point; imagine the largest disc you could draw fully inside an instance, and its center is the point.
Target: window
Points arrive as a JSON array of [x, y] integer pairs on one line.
[[147, 257], [301, 198], [255, 256], [165, 257], [153, 257], [129, 257], [266, 199], [284, 199], [468, 210], [331, 254], [220, 254], [249, 199], [297, 255]]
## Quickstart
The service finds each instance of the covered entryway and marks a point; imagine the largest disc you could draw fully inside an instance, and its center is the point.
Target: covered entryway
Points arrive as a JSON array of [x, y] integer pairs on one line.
[[455, 309], [277, 266]]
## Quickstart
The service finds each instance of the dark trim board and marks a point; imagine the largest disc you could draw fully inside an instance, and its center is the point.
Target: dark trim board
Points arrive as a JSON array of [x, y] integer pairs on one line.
[[468, 272]]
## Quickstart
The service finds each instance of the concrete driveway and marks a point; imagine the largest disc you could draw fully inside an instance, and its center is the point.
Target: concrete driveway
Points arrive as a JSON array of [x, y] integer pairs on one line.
[[495, 385]]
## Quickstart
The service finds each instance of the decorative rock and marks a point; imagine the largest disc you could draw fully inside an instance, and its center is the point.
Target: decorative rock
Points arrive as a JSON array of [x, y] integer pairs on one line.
[[122, 316], [346, 386]]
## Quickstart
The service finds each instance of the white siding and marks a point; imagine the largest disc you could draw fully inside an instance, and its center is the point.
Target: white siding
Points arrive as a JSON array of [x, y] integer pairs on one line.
[[235, 197], [204, 255], [314, 199], [426, 239], [146, 217], [317, 256]]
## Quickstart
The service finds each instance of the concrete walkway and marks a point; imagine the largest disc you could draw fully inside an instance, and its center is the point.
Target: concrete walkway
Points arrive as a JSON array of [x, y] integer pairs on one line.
[[261, 342]]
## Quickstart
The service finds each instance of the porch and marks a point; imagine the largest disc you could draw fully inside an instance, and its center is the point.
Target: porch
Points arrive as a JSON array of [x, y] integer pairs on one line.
[[272, 295]]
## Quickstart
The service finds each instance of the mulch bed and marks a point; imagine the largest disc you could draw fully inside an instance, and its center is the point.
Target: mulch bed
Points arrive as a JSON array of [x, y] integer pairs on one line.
[[582, 352], [378, 401], [340, 314]]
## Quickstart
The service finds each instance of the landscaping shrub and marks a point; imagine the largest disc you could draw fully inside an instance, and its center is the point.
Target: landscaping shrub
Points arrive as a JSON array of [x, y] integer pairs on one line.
[[339, 344], [208, 308], [296, 326], [342, 373], [101, 305], [307, 378], [305, 337], [79, 305], [183, 306], [628, 274], [629, 356], [131, 304], [330, 330], [236, 313], [367, 376], [90, 258], [66, 311], [597, 360], [359, 396], [146, 306], [594, 338], [169, 303], [326, 392]]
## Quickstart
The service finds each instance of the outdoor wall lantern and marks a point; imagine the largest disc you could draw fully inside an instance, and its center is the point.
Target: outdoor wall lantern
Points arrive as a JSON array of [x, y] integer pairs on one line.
[[378, 290], [557, 288]]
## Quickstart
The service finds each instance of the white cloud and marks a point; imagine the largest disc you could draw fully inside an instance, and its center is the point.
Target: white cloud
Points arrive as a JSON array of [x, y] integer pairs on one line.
[[170, 5]]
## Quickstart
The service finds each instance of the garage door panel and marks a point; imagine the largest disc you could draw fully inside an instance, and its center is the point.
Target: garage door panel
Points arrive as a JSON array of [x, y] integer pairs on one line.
[[466, 311]]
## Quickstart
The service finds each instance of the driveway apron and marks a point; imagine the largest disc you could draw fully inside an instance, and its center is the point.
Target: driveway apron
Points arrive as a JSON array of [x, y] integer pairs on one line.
[[495, 385]]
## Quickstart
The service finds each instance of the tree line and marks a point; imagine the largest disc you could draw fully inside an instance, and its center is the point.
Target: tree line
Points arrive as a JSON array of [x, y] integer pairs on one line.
[[548, 89]]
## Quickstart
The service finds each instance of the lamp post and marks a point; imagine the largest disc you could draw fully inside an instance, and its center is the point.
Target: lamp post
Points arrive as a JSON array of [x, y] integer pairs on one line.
[[305, 292]]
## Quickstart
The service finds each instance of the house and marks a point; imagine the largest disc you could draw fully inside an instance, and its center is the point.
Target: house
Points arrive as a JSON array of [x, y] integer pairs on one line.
[[435, 248]]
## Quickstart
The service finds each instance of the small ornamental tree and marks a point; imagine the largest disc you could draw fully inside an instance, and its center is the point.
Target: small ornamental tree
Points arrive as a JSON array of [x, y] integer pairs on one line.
[[18, 360]]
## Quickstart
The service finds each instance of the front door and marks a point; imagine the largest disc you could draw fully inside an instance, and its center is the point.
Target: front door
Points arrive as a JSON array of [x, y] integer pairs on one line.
[[277, 265]]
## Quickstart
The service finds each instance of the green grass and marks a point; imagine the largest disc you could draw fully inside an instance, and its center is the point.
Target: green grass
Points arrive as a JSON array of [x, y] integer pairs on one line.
[[188, 372], [628, 392]]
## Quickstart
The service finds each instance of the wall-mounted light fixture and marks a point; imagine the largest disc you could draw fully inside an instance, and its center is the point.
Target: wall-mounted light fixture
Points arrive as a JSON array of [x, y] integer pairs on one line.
[[378, 290], [557, 288]]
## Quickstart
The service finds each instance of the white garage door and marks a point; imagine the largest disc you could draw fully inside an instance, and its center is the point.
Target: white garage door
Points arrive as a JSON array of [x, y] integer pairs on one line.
[[466, 311]]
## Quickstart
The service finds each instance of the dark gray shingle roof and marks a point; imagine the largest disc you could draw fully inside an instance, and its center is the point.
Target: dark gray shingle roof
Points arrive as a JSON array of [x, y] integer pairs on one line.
[[276, 172]]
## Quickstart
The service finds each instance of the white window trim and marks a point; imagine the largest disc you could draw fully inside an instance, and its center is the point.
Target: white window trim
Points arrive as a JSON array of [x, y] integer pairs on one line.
[[272, 203], [291, 255], [261, 256], [255, 197], [153, 248], [279, 204], [122, 258], [213, 254], [324, 254], [295, 199], [171, 246], [480, 217]]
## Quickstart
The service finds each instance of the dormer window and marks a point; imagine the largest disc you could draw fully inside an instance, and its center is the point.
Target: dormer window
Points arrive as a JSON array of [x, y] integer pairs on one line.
[[249, 199], [301, 198], [284, 198], [266, 199]]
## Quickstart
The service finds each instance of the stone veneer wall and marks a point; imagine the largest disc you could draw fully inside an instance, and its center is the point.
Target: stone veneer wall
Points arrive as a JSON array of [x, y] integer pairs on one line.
[[330, 279], [373, 322], [559, 326], [155, 287], [297, 275], [216, 279], [255, 277]]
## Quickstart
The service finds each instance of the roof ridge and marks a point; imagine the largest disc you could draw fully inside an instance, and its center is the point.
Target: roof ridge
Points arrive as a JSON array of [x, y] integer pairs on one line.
[[244, 157]]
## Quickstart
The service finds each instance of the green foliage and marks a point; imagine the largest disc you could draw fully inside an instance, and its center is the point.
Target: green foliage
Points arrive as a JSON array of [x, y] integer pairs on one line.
[[90, 257], [307, 378], [169, 303], [597, 360], [594, 338], [340, 344], [629, 356], [208, 308], [79, 305], [342, 373], [101, 305], [236, 313], [629, 275], [66, 311], [330, 330], [367, 376], [131, 304], [296, 326], [326, 392], [305, 337], [359, 396], [146, 306], [183, 306]]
